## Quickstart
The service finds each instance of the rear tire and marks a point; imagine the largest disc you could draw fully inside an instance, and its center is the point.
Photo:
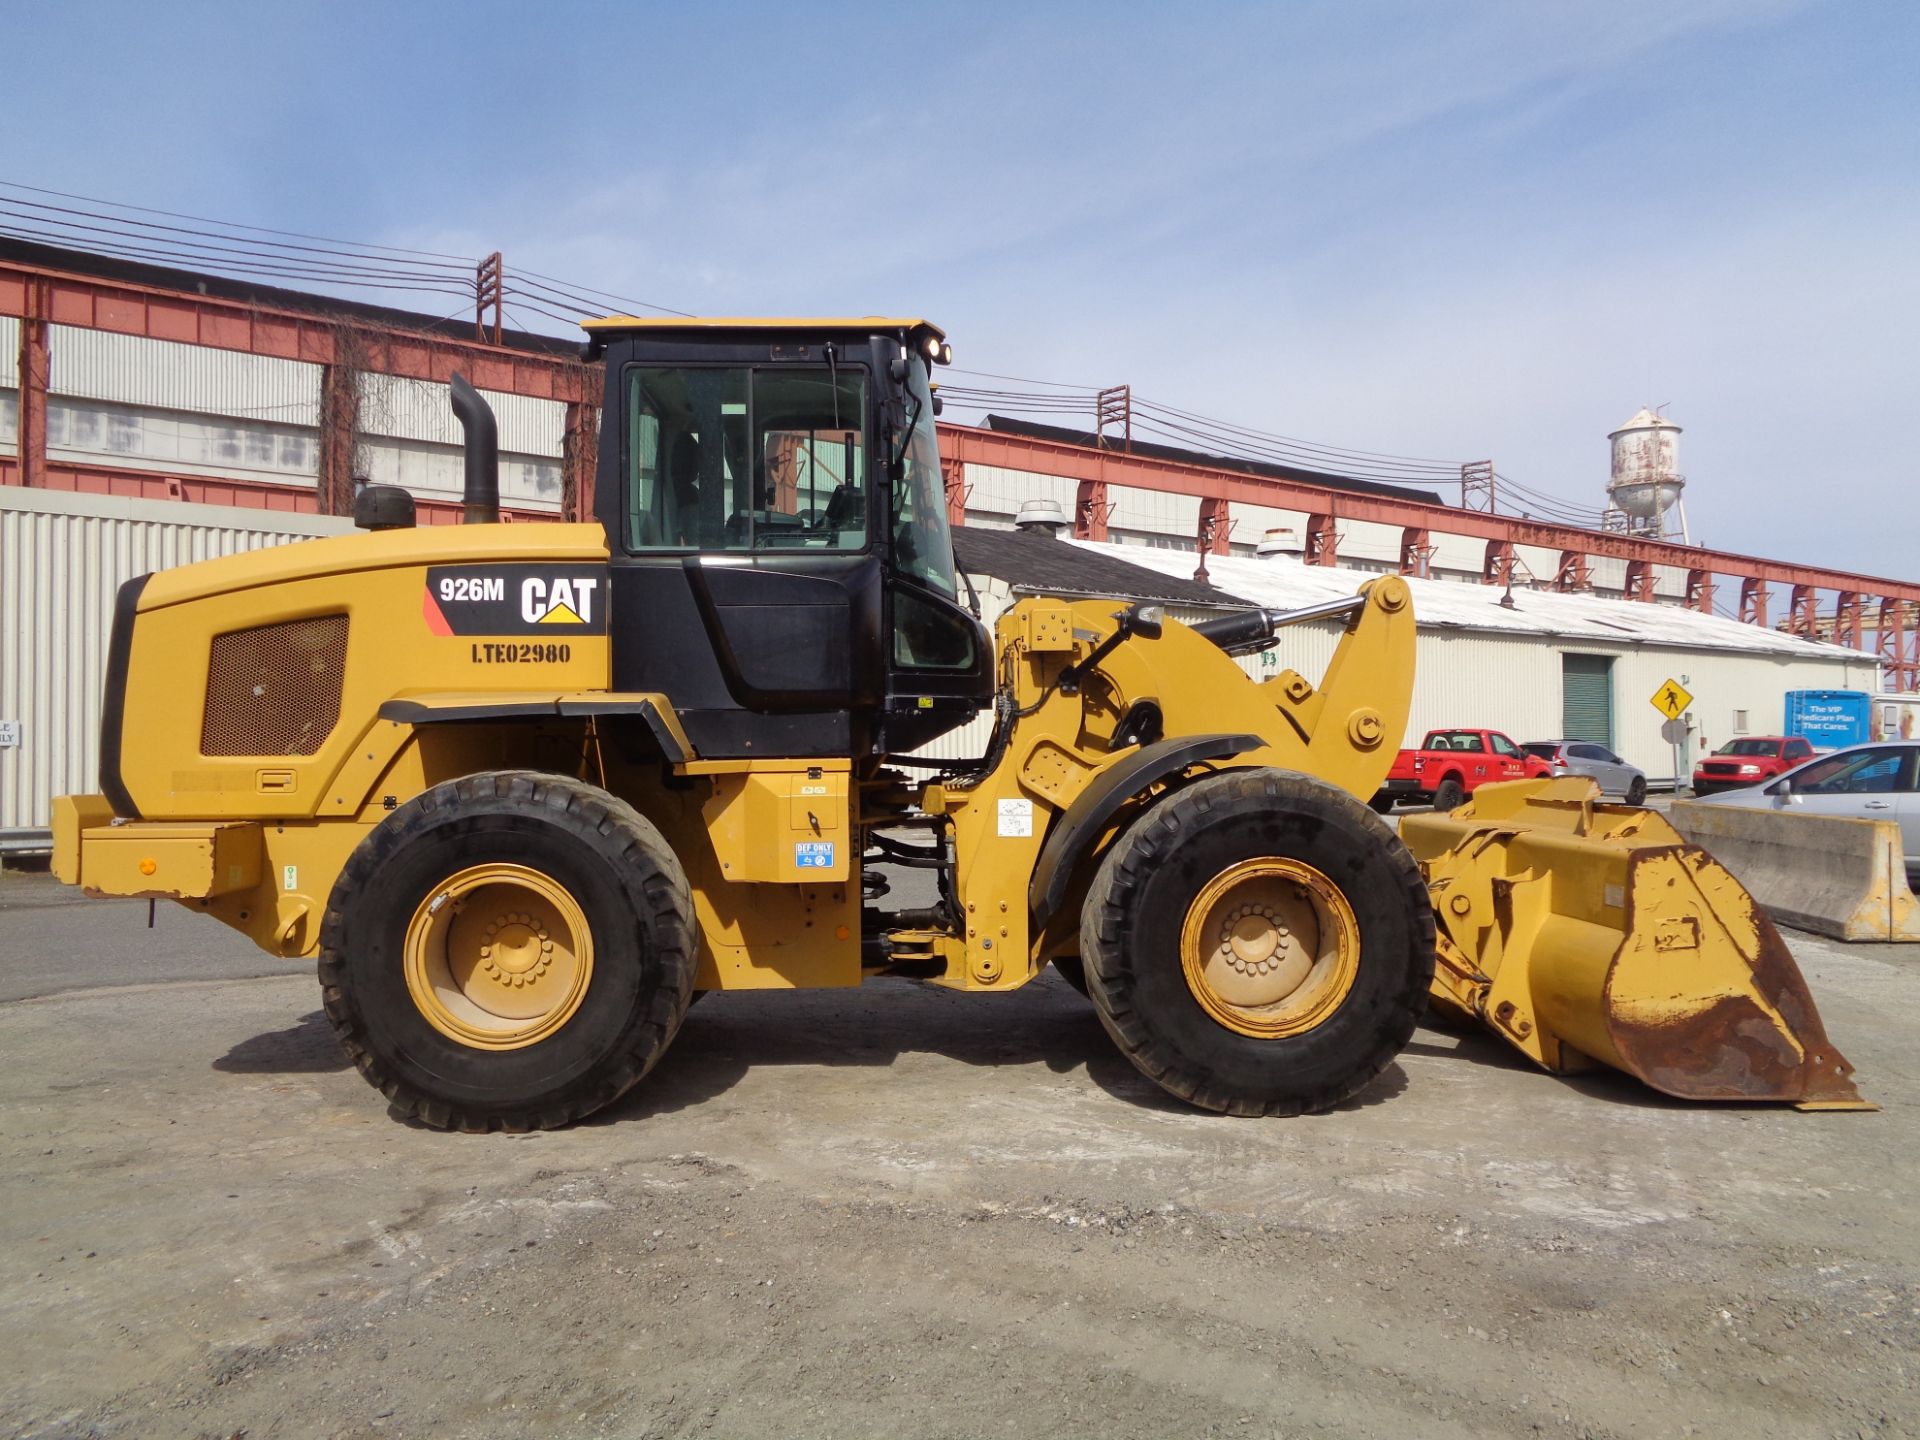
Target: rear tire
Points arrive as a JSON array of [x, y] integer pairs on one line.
[[1325, 950], [1382, 803], [511, 950], [1637, 791], [1449, 797]]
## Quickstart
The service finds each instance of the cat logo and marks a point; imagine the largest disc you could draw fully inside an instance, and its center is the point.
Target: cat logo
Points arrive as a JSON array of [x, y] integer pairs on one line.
[[555, 601], [561, 602]]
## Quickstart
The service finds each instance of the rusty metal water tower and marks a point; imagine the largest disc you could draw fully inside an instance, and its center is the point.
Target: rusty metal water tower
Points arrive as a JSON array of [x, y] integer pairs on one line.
[[1643, 495]]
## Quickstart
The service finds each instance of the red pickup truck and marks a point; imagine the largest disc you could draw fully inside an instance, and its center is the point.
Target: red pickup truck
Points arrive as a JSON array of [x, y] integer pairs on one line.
[[1750, 760], [1451, 764]]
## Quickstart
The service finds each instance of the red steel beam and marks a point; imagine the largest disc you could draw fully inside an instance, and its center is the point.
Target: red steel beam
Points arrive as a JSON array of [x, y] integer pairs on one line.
[[1573, 572], [1323, 540], [1090, 507], [1498, 569], [63, 298], [1803, 613], [579, 447], [1215, 526], [36, 370], [1700, 589], [1416, 552], [290, 499], [1898, 637], [1108, 467], [1640, 580], [91, 303]]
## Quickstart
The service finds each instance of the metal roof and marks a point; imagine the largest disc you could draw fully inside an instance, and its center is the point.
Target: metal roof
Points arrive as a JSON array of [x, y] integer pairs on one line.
[[1157, 451], [1286, 583], [864, 324], [1643, 419], [1048, 566]]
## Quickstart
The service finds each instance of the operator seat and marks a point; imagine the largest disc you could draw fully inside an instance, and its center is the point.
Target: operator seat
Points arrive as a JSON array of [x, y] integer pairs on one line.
[[682, 495]]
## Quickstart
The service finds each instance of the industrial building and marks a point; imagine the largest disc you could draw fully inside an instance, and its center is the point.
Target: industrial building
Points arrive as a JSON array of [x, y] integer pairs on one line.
[[1537, 664], [152, 416]]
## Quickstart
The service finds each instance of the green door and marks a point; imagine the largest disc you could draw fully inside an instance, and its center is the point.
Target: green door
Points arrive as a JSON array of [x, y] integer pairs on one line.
[[1586, 698]]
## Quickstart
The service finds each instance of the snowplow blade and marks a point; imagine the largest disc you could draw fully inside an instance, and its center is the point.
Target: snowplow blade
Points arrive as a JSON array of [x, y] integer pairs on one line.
[[1587, 934]]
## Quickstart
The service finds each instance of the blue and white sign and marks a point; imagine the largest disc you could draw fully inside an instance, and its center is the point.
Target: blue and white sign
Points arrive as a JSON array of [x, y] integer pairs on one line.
[[1829, 718], [813, 854]]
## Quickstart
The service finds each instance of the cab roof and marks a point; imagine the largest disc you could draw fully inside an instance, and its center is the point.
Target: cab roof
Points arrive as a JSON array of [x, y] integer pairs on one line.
[[865, 324]]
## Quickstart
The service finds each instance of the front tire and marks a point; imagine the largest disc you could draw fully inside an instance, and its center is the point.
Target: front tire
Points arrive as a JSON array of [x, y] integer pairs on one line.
[[1259, 943], [1637, 791], [511, 950]]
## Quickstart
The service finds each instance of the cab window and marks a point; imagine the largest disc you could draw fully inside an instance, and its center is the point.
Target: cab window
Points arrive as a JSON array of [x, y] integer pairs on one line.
[[1502, 745], [738, 459]]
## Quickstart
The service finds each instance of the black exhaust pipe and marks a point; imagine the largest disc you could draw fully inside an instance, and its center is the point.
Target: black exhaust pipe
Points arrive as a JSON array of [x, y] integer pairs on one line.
[[481, 503]]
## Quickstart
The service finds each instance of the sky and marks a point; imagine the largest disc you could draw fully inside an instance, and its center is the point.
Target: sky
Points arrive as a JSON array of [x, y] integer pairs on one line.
[[1472, 230]]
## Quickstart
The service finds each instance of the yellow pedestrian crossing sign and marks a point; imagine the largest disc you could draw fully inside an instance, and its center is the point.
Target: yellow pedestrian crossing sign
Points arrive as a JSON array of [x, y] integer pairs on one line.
[[1672, 699]]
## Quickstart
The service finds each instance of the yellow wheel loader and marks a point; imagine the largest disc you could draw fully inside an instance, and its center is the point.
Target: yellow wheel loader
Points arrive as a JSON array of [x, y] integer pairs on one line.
[[525, 790]]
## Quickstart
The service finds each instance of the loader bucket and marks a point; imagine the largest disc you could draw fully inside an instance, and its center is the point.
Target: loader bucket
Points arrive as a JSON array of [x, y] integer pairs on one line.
[[1587, 934]]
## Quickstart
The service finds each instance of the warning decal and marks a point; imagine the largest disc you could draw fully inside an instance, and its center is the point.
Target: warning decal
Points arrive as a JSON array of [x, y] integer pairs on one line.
[[550, 600]]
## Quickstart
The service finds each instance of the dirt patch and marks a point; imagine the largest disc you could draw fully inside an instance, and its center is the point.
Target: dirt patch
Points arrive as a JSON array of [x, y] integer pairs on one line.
[[904, 1212]]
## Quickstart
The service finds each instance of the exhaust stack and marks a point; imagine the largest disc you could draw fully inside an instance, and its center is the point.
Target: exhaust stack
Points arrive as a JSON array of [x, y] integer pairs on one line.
[[480, 505]]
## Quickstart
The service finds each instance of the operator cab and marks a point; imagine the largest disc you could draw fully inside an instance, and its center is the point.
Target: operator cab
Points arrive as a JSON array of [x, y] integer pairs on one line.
[[782, 567]]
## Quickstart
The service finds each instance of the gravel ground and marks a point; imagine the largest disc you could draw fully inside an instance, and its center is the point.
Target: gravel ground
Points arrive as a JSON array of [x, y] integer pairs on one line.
[[899, 1211]]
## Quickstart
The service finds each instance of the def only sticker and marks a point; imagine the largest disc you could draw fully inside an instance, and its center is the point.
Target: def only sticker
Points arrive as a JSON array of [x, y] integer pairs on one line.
[[813, 854], [547, 604]]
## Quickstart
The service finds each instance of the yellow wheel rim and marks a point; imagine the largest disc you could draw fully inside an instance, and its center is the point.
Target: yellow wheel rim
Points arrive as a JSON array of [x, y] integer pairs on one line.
[[1270, 947], [498, 957]]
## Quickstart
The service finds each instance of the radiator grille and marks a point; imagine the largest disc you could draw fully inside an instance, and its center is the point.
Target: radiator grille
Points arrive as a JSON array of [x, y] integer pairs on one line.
[[275, 689]]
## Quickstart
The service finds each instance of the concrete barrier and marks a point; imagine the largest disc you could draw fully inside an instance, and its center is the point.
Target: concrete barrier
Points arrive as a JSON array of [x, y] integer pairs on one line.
[[1844, 878]]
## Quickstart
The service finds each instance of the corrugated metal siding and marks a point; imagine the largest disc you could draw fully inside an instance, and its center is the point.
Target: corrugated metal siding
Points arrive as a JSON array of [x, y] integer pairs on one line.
[[176, 443], [1251, 522], [403, 409], [168, 375], [62, 558], [437, 472], [994, 490], [1153, 511]]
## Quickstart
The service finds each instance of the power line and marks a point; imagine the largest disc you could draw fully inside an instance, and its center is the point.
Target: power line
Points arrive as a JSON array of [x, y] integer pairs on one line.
[[230, 225], [348, 264]]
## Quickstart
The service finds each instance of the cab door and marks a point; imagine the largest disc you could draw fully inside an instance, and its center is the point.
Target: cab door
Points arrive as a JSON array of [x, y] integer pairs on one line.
[[748, 578]]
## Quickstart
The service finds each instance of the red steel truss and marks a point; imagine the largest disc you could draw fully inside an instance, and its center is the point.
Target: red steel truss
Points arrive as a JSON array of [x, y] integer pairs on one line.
[[1869, 612], [1893, 632]]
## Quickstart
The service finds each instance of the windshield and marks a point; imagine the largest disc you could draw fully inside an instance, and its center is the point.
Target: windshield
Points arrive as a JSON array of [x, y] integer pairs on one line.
[[922, 544], [1749, 747]]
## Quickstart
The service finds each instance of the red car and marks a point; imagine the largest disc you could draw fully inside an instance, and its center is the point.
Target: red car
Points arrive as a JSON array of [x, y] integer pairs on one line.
[[1750, 760], [1451, 764]]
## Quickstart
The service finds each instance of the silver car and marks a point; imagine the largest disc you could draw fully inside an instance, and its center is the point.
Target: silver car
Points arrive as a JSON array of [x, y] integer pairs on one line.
[[1863, 782], [1582, 757]]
